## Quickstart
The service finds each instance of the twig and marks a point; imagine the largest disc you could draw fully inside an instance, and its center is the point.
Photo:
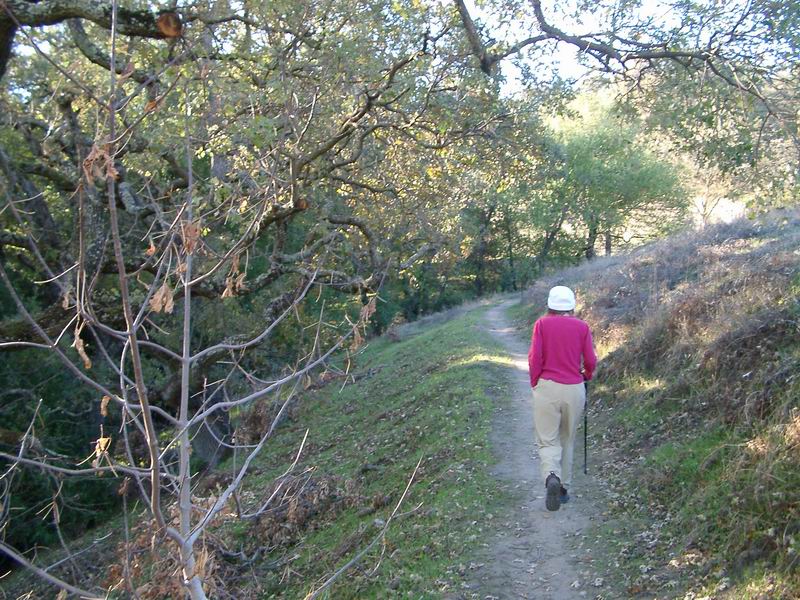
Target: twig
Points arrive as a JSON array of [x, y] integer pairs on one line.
[[78, 553], [280, 485], [360, 555]]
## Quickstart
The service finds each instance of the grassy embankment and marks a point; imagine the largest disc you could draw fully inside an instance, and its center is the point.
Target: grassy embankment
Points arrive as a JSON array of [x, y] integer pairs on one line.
[[428, 397], [425, 396], [697, 403]]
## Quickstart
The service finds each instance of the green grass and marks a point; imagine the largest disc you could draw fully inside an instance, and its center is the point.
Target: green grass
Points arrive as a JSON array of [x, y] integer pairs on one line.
[[678, 468], [723, 494], [430, 399], [724, 491], [757, 583]]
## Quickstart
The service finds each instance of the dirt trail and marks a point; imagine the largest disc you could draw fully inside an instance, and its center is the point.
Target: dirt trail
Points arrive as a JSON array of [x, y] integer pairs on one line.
[[533, 553]]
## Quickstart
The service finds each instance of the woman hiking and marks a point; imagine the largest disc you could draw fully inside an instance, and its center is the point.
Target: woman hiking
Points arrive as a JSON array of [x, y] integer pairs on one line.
[[561, 358]]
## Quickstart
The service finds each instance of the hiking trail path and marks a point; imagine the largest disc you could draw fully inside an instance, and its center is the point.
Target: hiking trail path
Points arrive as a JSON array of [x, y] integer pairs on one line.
[[533, 554]]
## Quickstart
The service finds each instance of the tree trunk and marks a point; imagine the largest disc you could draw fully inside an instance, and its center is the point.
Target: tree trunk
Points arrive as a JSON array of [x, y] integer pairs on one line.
[[590, 241], [510, 242], [608, 241], [550, 237], [479, 268]]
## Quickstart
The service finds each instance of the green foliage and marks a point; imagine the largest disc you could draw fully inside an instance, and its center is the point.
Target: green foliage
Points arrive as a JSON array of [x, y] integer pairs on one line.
[[727, 132], [612, 179]]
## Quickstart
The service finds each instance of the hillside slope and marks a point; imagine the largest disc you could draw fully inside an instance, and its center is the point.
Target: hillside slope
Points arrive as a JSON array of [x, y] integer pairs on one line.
[[694, 439], [414, 410], [696, 408]]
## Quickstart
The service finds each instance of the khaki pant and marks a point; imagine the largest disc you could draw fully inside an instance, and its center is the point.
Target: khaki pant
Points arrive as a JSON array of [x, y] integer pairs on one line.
[[557, 409]]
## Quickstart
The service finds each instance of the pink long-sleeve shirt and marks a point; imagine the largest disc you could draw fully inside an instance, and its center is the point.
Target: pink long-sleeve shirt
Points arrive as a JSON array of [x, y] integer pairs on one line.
[[561, 350]]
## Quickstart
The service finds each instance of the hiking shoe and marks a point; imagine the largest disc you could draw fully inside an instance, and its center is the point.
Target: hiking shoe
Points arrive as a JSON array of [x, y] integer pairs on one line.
[[553, 498], [564, 495]]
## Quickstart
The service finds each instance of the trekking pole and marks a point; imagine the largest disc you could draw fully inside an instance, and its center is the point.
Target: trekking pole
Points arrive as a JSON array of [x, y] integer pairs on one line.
[[586, 428]]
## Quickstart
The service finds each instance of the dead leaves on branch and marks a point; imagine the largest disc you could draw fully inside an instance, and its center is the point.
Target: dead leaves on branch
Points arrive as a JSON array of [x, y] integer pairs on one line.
[[190, 234], [358, 339], [154, 570], [66, 299], [169, 25], [301, 504], [163, 300], [80, 347], [101, 448], [234, 285], [100, 453], [104, 406], [364, 316], [368, 310], [234, 282], [99, 164]]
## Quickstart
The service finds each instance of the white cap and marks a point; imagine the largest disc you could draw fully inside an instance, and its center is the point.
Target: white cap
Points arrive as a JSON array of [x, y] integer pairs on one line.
[[561, 298]]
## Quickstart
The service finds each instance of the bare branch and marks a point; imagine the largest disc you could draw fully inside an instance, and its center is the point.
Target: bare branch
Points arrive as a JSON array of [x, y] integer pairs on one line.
[[14, 555], [139, 23], [362, 226], [96, 55], [40, 464], [486, 57], [289, 300], [204, 414]]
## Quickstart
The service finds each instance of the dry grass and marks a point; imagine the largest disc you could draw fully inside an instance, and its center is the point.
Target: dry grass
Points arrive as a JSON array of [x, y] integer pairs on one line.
[[701, 290]]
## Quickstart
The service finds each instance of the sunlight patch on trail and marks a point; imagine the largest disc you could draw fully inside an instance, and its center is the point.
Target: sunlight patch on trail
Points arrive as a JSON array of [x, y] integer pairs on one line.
[[505, 361]]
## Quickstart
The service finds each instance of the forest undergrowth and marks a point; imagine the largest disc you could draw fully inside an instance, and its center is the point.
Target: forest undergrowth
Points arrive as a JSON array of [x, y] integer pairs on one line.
[[696, 408]]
